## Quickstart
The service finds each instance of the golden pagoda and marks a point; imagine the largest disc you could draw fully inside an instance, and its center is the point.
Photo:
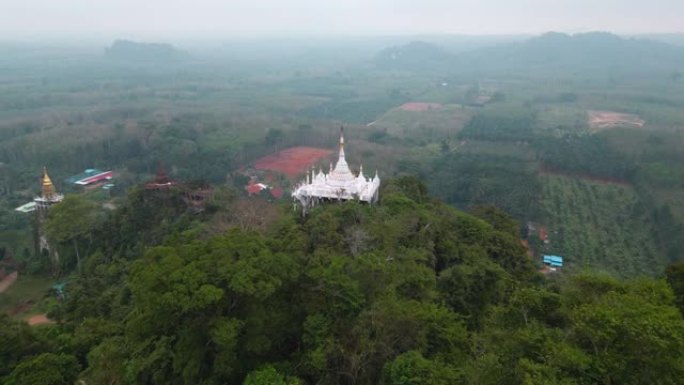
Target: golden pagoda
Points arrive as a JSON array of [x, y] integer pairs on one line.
[[49, 195], [48, 187]]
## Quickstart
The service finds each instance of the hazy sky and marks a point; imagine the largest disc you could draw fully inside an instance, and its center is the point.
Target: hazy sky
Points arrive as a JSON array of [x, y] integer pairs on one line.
[[229, 18]]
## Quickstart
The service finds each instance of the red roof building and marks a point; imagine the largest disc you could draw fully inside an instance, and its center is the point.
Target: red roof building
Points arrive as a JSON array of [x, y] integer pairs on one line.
[[253, 188]]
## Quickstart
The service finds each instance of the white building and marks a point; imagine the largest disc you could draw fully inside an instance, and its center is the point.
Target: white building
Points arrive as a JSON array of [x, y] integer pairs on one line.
[[338, 184], [47, 198]]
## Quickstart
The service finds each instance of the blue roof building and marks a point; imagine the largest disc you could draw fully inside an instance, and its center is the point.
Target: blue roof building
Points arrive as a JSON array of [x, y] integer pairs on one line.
[[553, 260]]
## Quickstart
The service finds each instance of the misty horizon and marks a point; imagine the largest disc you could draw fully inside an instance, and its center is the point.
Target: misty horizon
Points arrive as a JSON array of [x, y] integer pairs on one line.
[[214, 20]]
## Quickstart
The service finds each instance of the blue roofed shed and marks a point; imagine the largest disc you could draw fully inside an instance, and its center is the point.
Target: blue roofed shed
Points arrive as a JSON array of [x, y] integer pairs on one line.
[[553, 260]]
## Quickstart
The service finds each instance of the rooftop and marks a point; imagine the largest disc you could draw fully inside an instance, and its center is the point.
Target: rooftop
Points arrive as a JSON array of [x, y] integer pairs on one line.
[[553, 260], [339, 184], [27, 207], [89, 176]]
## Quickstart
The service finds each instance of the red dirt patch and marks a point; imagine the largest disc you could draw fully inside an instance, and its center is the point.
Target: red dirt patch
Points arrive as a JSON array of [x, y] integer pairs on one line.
[[599, 120], [418, 106], [543, 234], [292, 161], [8, 281], [39, 319]]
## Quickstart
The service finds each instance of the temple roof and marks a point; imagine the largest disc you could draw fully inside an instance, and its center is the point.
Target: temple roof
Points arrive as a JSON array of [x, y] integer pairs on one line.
[[48, 190], [339, 183], [48, 194]]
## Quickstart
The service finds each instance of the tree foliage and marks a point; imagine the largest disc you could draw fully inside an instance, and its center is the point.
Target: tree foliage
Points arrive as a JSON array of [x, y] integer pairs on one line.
[[425, 295], [73, 221], [45, 369]]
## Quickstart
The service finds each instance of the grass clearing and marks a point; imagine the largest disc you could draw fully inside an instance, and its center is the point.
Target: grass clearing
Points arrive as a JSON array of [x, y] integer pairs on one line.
[[26, 292], [429, 124]]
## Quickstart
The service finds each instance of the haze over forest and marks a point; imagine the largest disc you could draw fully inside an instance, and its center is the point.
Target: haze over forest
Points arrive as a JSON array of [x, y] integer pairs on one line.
[[213, 19], [179, 204]]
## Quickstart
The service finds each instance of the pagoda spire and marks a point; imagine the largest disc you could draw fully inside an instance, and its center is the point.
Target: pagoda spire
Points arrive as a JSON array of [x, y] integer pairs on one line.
[[340, 184], [48, 187], [341, 142]]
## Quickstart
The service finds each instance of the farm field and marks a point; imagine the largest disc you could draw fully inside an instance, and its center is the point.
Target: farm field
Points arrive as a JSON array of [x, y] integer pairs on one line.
[[599, 120], [674, 198], [598, 225], [420, 106], [292, 161], [515, 150], [429, 121], [562, 120]]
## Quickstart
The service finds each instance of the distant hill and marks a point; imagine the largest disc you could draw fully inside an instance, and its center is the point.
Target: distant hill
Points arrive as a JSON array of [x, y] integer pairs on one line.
[[587, 51], [669, 38], [124, 50], [550, 52], [416, 55]]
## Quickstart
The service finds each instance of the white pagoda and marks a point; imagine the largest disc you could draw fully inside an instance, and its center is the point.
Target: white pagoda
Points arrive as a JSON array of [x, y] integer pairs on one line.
[[338, 184]]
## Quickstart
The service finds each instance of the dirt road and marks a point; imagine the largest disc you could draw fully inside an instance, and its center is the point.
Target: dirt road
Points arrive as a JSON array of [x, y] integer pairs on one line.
[[8, 281]]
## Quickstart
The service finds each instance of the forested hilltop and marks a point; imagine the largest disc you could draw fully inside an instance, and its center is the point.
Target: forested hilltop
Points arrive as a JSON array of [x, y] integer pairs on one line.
[[189, 265], [410, 291]]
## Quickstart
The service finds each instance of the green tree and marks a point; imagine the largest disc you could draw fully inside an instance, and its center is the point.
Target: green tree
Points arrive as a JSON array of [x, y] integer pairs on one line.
[[412, 368], [106, 362], [497, 218], [269, 376], [469, 289], [73, 220], [675, 277], [45, 369], [18, 340], [274, 137], [633, 334]]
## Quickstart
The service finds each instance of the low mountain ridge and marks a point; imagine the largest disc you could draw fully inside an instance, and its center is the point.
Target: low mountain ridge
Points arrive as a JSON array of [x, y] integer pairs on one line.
[[552, 51], [126, 50]]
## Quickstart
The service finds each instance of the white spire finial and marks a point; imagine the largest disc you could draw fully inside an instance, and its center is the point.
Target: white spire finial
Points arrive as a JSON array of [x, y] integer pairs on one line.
[[341, 141]]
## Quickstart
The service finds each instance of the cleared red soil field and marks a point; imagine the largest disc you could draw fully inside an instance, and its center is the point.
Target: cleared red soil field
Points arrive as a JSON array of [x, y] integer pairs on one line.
[[292, 161], [39, 319], [609, 119], [418, 106]]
